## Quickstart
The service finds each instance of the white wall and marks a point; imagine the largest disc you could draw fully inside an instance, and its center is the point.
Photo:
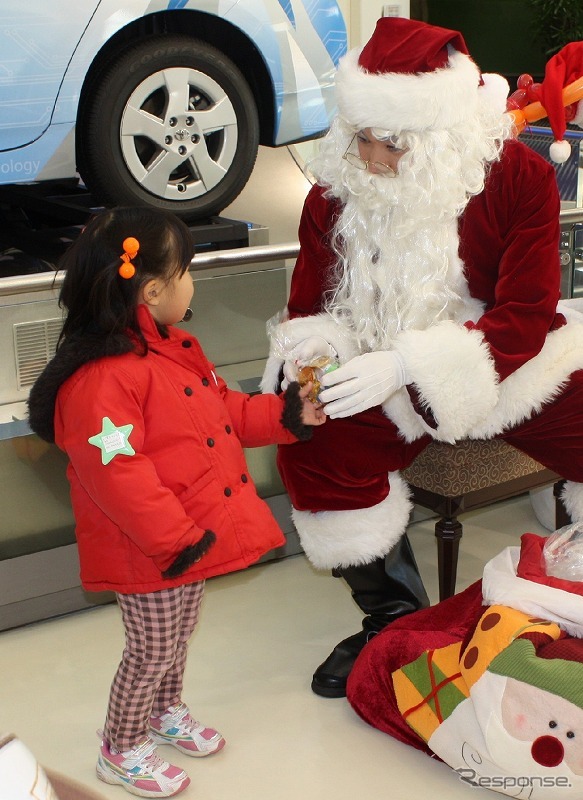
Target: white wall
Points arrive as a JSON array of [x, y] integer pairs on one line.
[[361, 16]]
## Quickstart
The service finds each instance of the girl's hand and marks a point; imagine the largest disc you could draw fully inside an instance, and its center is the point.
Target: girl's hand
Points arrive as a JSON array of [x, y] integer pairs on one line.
[[312, 414]]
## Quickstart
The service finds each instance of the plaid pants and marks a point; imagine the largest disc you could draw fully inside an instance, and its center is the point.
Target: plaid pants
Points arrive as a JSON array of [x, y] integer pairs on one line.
[[149, 678]]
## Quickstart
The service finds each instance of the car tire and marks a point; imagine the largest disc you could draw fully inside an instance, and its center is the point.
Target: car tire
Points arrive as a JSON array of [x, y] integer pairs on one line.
[[171, 124]]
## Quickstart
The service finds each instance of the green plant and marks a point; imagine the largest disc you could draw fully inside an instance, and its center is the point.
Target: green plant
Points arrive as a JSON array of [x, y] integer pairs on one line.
[[556, 23]]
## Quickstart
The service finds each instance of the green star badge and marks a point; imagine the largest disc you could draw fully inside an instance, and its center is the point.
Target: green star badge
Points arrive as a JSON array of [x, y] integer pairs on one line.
[[112, 440]]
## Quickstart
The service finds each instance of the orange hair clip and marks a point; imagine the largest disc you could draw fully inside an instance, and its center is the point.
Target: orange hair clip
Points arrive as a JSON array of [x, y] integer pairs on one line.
[[130, 251]]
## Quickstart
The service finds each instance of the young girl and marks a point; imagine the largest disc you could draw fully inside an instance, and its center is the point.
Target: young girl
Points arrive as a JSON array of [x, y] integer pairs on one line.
[[159, 485]]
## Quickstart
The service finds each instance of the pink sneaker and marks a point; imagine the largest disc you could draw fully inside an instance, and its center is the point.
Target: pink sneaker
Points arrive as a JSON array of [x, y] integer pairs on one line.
[[178, 728], [141, 771]]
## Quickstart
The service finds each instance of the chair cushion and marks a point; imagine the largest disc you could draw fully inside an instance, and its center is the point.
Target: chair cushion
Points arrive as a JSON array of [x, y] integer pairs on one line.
[[453, 470]]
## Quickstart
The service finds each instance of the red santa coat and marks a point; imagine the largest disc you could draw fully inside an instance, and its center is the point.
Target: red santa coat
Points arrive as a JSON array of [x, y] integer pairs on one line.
[[182, 470], [469, 379]]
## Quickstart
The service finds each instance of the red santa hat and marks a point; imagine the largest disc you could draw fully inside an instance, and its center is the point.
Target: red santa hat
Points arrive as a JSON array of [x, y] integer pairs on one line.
[[561, 70], [414, 77]]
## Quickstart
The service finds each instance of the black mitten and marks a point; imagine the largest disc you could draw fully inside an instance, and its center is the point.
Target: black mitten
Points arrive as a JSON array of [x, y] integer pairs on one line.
[[292, 413], [190, 554]]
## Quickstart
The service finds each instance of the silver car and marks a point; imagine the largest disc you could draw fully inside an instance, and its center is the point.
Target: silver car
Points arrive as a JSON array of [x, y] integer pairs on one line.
[[161, 102]]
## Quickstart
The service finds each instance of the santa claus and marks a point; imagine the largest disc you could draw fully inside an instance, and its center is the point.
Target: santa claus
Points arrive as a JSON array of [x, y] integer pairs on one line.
[[429, 270]]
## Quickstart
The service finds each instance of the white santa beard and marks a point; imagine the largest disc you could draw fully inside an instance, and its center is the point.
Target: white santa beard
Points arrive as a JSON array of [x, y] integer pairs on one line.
[[399, 266]]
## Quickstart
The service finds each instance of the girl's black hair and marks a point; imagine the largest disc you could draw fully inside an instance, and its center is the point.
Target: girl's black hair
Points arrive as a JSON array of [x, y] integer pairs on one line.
[[99, 302]]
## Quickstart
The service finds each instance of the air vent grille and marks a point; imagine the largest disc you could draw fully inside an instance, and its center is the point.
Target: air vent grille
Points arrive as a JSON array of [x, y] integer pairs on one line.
[[34, 345]]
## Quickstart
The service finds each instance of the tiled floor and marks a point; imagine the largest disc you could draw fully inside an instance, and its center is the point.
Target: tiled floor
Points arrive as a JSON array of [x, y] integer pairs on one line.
[[261, 634]]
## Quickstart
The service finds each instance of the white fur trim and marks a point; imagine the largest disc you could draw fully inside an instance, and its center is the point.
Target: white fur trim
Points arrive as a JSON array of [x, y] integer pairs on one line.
[[572, 497], [539, 380], [397, 101], [348, 538], [578, 118], [454, 372], [270, 380], [571, 309], [399, 410], [502, 586], [289, 334], [494, 91]]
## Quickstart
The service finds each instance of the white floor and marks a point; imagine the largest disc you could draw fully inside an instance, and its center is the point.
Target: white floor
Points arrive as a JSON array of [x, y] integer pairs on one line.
[[261, 634]]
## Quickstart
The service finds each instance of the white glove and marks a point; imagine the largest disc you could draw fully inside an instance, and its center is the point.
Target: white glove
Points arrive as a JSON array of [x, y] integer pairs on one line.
[[304, 353], [365, 381]]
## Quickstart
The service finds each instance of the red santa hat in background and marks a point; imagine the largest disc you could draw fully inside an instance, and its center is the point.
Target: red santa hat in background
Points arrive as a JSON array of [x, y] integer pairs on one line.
[[411, 76], [561, 70]]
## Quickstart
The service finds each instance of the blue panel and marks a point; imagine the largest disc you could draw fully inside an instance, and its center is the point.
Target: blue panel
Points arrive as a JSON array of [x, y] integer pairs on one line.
[[287, 7], [540, 139], [329, 24]]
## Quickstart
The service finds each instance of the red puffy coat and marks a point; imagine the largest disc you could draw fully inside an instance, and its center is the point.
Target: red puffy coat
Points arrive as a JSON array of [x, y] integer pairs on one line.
[[156, 458]]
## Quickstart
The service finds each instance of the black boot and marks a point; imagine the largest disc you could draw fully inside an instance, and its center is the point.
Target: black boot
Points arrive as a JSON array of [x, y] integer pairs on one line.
[[385, 590]]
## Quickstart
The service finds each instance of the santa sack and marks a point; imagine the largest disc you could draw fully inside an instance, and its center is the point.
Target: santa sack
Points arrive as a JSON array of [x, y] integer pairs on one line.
[[498, 696]]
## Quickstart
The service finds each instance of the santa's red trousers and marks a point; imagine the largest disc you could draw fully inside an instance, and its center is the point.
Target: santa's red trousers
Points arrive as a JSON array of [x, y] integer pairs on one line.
[[346, 463]]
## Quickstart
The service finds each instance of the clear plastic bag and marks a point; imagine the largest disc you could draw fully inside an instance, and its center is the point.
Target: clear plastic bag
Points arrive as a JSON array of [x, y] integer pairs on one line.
[[285, 345], [307, 360], [563, 553]]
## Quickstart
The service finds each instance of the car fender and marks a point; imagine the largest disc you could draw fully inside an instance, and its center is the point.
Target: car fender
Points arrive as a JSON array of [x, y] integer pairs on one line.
[[276, 28]]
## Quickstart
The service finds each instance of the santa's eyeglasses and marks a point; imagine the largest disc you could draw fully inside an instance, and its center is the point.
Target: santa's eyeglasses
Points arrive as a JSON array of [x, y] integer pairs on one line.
[[361, 163]]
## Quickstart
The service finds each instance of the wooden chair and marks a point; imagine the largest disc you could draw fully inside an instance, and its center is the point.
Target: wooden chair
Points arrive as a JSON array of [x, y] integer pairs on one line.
[[450, 479]]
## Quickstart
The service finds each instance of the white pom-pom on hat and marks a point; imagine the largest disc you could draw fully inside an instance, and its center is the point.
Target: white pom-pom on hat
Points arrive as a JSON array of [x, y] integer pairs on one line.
[[560, 151]]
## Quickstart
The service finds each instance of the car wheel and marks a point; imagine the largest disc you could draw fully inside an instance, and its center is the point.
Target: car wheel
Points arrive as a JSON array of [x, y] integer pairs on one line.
[[172, 124]]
